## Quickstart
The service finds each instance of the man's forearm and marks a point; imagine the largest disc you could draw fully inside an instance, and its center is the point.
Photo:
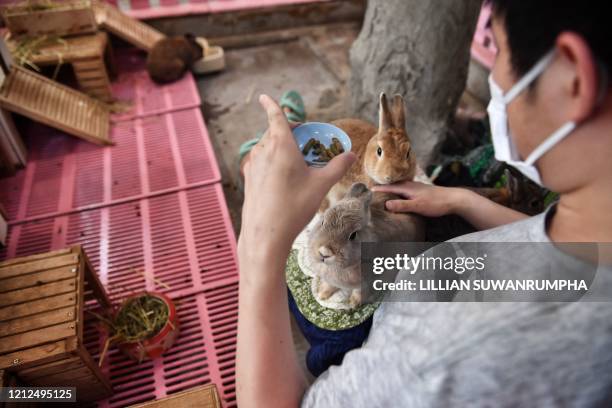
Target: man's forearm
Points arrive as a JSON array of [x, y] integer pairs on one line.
[[481, 212], [267, 371]]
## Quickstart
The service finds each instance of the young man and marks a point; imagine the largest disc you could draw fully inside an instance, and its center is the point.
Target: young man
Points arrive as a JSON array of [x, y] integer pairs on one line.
[[550, 81]]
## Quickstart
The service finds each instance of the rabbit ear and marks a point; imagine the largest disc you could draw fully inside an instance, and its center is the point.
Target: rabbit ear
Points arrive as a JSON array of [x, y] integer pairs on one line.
[[384, 115], [398, 112], [359, 190]]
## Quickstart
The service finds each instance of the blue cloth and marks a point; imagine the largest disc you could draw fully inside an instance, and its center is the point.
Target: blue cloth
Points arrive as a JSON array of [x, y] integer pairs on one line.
[[327, 347]]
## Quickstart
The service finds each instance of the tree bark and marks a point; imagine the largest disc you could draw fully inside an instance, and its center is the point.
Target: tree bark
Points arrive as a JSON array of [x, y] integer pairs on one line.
[[419, 49]]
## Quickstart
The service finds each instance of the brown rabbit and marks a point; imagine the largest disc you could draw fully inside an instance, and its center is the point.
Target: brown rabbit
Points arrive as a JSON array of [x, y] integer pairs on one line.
[[384, 155], [171, 57], [334, 245]]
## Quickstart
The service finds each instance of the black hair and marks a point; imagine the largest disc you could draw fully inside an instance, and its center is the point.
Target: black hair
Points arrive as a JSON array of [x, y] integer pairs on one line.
[[532, 27]]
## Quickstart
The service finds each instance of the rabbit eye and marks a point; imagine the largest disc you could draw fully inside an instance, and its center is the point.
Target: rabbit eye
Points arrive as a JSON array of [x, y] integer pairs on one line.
[[353, 236], [408, 154], [379, 151]]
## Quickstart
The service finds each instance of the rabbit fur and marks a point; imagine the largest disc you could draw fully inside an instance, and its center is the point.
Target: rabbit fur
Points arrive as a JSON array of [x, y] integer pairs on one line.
[[334, 244]]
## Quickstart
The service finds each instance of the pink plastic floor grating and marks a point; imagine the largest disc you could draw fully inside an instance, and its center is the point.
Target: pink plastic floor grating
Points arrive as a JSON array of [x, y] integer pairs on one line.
[[151, 215], [176, 243], [147, 98], [145, 9], [152, 155], [204, 352]]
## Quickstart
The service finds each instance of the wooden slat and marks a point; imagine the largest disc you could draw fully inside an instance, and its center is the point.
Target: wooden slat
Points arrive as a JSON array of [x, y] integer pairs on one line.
[[88, 74], [36, 265], [69, 50], [88, 389], [92, 279], [93, 366], [131, 30], [37, 292], [36, 278], [38, 98], [38, 355], [88, 83], [87, 65], [37, 321], [64, 377], [37, 306], [57, 104], [52, 367], [205, 396], [36, 337], [58, 21]]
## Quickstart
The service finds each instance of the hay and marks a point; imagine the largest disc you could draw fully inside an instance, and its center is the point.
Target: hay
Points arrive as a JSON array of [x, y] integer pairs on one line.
[[139, 318], [27, 47]]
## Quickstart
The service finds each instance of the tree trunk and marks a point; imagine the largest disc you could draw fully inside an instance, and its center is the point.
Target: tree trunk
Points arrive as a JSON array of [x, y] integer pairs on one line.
[[419, 49]]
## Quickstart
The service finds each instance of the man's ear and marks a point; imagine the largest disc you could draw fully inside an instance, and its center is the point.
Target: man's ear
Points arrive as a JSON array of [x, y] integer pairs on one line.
[[385, 120], [584, 81], [398, 112]]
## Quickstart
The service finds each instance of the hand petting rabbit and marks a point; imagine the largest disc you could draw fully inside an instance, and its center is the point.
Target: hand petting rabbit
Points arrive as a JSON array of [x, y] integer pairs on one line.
[[384, 155], [334, 244]]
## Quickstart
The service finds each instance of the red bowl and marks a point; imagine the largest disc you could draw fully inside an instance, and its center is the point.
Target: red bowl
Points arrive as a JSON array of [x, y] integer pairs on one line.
[[158, 344]]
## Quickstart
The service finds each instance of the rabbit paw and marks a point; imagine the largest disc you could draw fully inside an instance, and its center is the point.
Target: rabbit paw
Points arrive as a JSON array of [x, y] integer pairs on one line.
[[355, 299], [326, 290]]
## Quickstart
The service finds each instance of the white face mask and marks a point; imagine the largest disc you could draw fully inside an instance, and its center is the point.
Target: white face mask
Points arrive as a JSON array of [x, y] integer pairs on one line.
[[505, 149]]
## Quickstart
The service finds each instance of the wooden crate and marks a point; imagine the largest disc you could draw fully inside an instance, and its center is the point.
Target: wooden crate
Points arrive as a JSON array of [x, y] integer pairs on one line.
[[129, 29], [41, 321], [56, 105], [87, 54], [9, 380], [63, 18], [205, 396]]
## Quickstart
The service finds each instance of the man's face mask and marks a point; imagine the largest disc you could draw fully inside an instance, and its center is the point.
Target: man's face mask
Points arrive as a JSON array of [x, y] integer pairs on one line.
[[505, 149]]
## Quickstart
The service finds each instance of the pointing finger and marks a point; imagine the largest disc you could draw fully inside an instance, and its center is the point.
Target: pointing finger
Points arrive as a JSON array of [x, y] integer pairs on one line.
[[277, 122]]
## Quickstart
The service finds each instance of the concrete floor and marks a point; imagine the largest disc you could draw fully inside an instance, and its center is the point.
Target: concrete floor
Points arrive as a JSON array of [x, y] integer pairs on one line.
[[316, 65]]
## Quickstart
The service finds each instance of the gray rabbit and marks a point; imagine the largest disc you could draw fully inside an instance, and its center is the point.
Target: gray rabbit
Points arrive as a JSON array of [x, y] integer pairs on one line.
[[334, 244]]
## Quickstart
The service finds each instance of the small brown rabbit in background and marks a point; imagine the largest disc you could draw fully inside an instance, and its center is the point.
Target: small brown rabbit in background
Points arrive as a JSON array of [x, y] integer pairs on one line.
[[171, 57], [384, 154], [334, 244]]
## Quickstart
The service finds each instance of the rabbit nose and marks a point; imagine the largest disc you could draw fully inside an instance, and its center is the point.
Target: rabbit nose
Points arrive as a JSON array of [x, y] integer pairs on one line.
[[325, 252]]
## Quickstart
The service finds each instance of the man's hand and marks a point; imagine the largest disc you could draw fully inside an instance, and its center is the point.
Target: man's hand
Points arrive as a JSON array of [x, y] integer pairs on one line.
[[282, 193], [419, 198], [437, 201]]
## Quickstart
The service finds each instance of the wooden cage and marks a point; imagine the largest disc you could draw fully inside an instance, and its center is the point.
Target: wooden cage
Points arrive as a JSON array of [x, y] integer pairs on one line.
[[41, 322]]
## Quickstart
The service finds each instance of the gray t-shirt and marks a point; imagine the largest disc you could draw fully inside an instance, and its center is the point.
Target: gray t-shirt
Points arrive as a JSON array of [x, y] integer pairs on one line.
[[479, 354]]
